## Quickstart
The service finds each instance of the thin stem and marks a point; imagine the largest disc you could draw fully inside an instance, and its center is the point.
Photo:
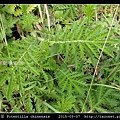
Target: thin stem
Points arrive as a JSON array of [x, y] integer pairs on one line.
[[100, 58], [40, 12], [48, 18], [4, 36]]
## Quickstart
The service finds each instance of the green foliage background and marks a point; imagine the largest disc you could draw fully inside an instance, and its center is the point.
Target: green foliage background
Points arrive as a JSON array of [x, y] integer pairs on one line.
[[44, 70]]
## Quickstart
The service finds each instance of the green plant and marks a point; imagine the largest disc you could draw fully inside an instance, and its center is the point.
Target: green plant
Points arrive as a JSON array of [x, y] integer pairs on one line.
[[50, 66]]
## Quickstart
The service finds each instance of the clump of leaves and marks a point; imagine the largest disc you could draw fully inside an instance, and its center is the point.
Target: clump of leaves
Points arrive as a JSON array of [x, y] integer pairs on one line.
[[62, 105]]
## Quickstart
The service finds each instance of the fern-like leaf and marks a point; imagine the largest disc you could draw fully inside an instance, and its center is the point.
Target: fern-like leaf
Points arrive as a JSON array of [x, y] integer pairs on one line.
[[65, 104]]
